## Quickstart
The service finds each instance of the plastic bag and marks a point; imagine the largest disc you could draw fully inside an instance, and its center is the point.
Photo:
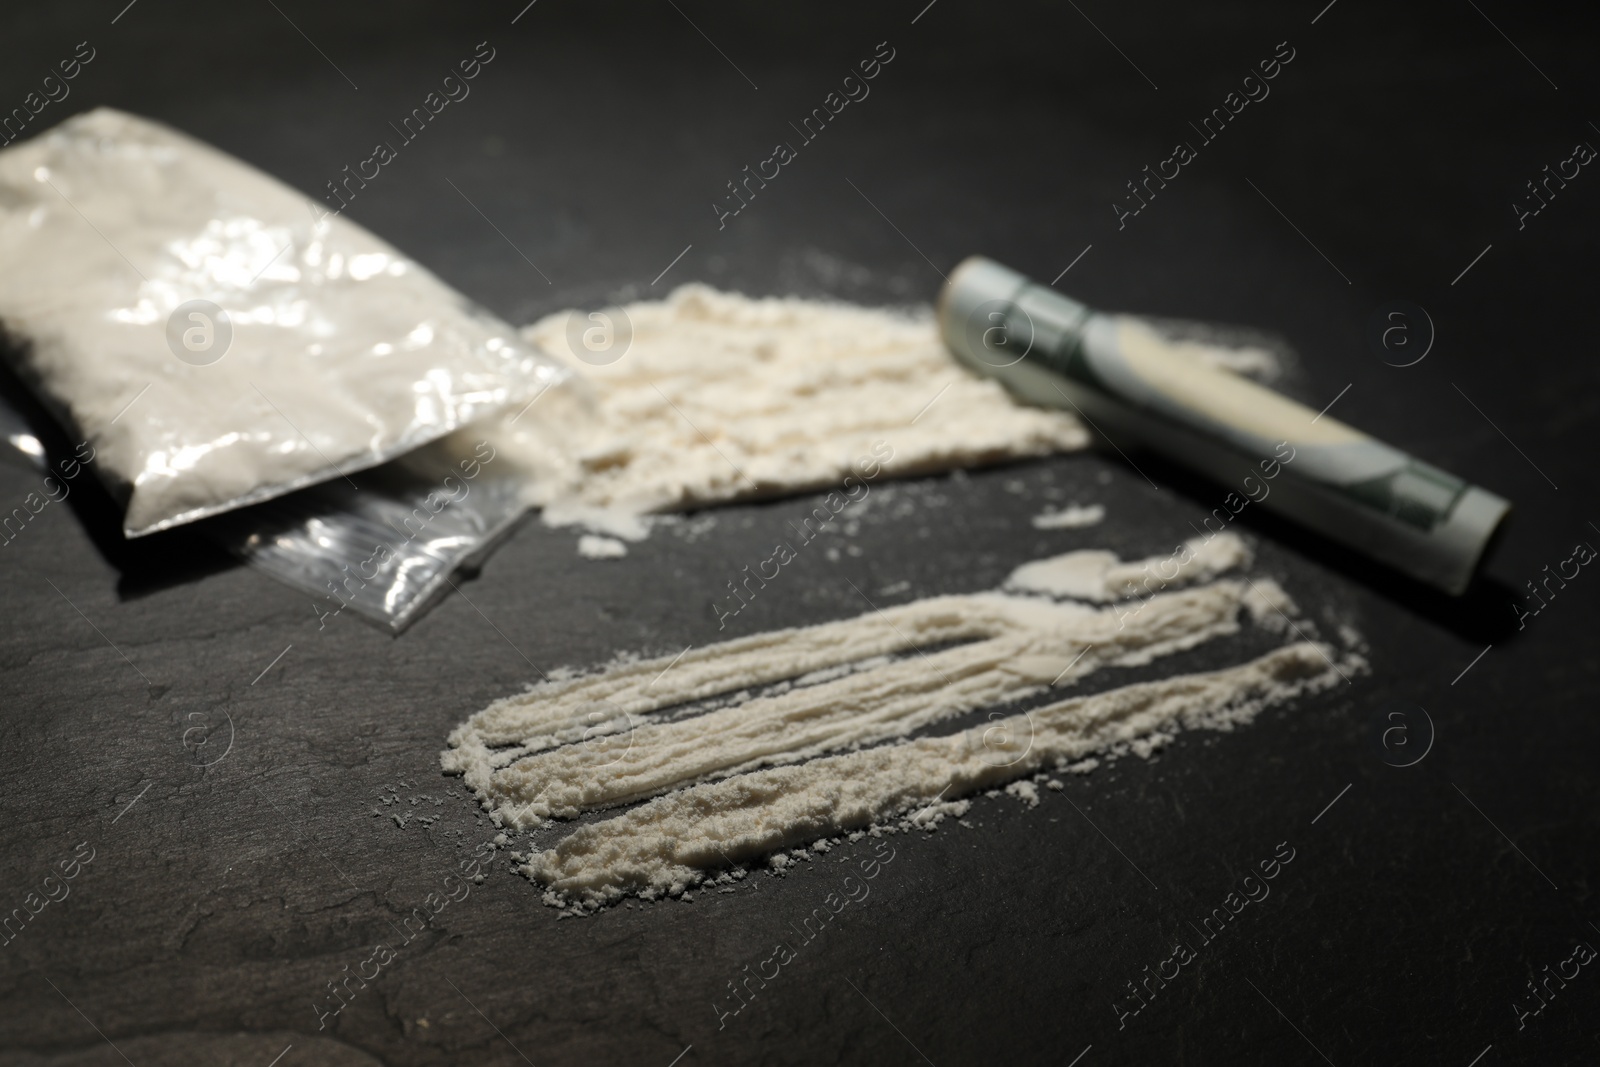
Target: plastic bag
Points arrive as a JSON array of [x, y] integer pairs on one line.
[[218, 339], [385, 546]]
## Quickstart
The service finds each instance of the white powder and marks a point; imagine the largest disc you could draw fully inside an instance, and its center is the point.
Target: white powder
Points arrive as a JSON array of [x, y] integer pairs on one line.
[[1026, 792], [1096, 575], [666, 843], [717, 396], [1270, 607], [591, 546], [929, 816], [520, 752], [1072, 517], [721, 396], [773, 768], [770, 741], [343, 352], [1248, 360]]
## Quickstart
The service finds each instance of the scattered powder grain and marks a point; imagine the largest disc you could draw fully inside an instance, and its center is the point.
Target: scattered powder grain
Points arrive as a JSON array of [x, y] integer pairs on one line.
[[1024, 791], [593, 546], [1097, 575], [1070, 518]]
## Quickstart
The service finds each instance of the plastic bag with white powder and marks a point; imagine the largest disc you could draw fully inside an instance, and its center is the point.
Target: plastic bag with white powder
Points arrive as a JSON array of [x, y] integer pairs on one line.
[[217, 338]]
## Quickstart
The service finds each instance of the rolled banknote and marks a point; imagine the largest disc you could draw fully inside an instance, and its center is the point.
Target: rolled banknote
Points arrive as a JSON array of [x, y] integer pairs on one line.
[[1131, 384]]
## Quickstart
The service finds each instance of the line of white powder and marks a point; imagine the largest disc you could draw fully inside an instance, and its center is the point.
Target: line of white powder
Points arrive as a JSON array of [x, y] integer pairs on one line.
[[668, 842], [766, 771], [1024, 646], [565, 711]]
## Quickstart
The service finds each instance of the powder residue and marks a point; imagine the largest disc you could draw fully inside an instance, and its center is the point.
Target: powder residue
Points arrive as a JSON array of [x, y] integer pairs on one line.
[[1251, 361], [1270, 606], [1024, 791], [593, 546], [1072, 517], [1097, 575]]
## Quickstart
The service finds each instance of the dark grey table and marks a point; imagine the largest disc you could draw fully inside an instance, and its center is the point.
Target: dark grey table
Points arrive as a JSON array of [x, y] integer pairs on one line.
[[1385, 164]]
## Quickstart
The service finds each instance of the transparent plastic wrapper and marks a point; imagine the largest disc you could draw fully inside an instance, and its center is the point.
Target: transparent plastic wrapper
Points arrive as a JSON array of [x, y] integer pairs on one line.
[[384, 544], [219, 339]]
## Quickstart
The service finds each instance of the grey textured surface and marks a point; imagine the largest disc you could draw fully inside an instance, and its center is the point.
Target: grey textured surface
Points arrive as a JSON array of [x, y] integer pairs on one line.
[[221, 900]]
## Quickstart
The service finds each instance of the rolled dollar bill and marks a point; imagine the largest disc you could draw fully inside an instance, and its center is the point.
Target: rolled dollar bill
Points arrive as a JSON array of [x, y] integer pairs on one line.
[[1130, 383]]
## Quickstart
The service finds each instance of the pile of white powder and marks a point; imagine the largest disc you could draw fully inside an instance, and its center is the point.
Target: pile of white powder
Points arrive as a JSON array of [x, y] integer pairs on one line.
[[709, 396], [720, 396]]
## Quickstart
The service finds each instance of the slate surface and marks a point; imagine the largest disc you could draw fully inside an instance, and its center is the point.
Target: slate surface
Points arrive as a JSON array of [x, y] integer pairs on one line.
[[221, 900]]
